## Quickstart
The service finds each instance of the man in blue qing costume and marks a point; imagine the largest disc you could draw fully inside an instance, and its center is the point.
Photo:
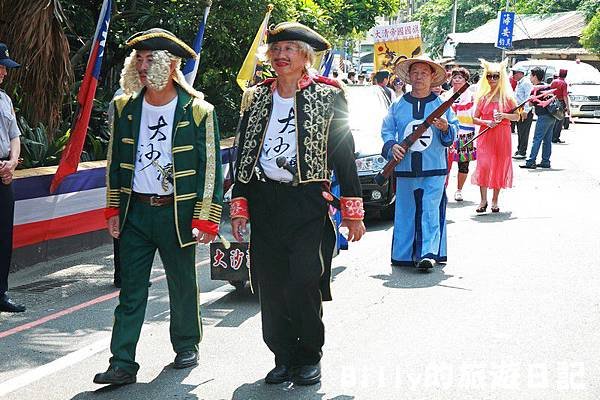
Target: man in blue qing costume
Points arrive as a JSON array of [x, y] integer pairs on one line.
[[420, 220]]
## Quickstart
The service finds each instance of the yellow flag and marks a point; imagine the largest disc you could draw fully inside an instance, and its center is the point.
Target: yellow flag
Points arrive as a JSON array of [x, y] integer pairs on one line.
[[248, 68], [394, 42], [319, 60]]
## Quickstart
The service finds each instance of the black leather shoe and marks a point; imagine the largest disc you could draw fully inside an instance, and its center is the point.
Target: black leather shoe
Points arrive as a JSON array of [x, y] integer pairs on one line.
[[527, 166], [543, 165], [306, 375], [425, 264], [8, 305], [114, 376], [186, 359], [279, 374]]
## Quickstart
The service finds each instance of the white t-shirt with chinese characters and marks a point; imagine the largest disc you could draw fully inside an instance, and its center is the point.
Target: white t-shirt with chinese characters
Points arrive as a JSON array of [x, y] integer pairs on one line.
[[154, 160], [280, 140]]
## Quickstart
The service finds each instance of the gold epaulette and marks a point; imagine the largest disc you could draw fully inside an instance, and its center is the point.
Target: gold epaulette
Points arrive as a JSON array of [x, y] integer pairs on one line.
[[247, 98], [200, 108], [120, 102]]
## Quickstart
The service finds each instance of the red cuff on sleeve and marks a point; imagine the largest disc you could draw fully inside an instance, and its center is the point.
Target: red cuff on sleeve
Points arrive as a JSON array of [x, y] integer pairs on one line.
[[110, 212], [205, 226], [352, 208], [239, 208]]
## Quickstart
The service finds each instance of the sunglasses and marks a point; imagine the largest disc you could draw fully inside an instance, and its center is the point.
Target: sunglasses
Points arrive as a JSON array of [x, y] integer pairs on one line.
[[493, 76]]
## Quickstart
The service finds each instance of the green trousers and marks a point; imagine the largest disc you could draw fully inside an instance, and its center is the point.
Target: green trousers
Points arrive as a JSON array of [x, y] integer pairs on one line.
[[147, 229]]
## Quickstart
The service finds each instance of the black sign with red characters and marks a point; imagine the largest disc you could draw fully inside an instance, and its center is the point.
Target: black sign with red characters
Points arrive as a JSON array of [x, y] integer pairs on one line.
[[230, 264]]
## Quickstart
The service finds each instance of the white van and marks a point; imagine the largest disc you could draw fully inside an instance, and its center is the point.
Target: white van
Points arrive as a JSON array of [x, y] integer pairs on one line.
[[583, 80]]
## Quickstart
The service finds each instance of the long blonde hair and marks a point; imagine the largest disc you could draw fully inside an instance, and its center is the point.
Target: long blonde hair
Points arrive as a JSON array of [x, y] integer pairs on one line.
[[506, 96]]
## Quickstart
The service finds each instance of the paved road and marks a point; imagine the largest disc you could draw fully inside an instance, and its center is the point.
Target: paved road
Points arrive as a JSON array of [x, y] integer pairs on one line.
[[513, 315]]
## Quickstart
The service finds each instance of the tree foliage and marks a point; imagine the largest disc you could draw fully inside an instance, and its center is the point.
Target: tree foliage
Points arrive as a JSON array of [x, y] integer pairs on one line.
[[34, 34], [436, 15], [590, 39], [230, 29]]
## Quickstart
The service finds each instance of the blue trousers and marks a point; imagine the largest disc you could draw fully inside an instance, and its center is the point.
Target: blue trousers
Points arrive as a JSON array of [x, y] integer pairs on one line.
[[420, 220], [544, 129]]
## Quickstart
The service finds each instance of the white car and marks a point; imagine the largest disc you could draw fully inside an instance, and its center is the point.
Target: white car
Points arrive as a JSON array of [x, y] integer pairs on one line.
[[583, 80]]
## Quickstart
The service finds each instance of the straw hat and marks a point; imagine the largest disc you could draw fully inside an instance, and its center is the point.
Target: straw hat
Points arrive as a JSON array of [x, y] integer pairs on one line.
[[403, 66]]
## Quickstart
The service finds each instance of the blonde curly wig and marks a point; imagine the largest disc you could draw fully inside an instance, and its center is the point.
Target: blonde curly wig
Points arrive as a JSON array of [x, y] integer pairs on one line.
[[158, 74]]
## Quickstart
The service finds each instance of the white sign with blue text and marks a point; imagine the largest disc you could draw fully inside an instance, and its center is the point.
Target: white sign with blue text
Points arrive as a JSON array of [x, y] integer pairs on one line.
[[506, 22]]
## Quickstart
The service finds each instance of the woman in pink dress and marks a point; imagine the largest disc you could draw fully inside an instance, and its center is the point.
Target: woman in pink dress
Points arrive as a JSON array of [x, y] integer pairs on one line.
[[495, 99]]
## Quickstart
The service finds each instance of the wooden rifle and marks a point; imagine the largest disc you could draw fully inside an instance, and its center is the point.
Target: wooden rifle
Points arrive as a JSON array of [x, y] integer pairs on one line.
[[387, 171]]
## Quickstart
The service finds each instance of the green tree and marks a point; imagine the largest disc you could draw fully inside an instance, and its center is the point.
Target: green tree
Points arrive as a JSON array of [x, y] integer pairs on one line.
[[590, 39], [436, 19], [436, 15], [230, 30]]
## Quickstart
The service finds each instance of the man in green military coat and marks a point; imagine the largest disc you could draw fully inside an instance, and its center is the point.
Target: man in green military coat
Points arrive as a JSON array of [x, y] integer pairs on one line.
[[164, 192]]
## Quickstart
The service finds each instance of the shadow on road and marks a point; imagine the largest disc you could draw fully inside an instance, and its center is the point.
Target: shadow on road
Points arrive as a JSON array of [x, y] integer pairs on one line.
[[376, 224], [487, 218], [461, 204], [168, 381], [287, 390], [233, 309], [412, 278]]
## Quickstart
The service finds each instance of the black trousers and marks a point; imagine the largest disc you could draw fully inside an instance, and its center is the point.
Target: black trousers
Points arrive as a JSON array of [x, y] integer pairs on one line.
[[7, 211], [523, 128], [288, 225], [117, 260]]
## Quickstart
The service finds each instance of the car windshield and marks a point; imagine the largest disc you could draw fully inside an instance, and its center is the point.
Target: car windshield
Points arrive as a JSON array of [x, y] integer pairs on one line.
[[367, 108], [577, 74], [583, 74]]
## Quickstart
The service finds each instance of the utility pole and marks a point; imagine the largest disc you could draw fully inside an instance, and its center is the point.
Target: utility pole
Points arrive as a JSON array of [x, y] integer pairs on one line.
[[454, 16], [503, 49]]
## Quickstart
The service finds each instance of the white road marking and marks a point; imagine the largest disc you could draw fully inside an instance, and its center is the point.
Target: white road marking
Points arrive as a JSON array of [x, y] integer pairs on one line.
[[86, 352]]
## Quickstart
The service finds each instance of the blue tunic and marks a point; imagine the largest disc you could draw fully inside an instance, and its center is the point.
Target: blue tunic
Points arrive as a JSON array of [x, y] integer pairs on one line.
[[420, 219]]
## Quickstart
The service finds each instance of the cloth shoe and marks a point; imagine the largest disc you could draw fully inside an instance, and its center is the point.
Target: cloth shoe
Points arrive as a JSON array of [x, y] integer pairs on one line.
[[306, 375], [115, 376], [458, 196], [279, 374], [186, 359], [8, 305], [425, 264], [543, 165], [519, 156]]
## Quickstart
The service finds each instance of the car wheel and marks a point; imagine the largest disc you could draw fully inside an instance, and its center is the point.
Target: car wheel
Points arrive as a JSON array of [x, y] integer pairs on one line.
[[239, 285]]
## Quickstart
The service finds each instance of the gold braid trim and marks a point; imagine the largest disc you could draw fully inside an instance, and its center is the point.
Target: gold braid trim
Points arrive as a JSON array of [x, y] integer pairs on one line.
[[210, 171], [165, 36], [247, 98], [214, 214], [112, 198]]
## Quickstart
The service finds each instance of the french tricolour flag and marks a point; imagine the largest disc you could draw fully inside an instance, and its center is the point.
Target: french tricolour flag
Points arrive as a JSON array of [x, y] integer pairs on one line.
[[85, 99]]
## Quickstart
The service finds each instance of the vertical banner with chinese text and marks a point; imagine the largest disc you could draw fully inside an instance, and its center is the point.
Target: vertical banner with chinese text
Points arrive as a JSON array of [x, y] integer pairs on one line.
[[393, 41], [506, 21]]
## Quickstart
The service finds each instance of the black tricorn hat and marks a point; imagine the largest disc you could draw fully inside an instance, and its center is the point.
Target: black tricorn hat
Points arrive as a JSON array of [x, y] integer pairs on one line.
[[295, 31], [161, 39]]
